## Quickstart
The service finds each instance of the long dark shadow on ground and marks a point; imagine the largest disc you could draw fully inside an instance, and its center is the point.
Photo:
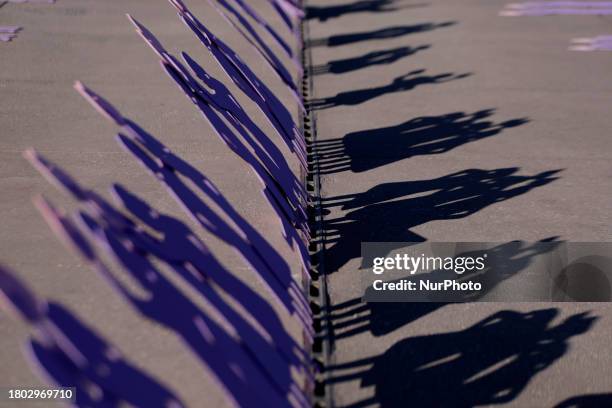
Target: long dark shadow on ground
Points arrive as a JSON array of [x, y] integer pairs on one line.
[[402, 83], [387, 212], [353, 317], [490, 362], [378, 34], [361, 6], [587, 401], [372, 148], [373, 58]]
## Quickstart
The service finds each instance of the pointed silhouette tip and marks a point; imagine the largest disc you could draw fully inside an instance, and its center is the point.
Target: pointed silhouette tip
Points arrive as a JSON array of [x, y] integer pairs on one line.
[[134, 22], [30, 154], [78, 85], [83, 90]]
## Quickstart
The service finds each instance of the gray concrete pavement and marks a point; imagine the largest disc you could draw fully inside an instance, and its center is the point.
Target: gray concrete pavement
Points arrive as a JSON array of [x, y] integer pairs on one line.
[[436, 120], [92, 41], [441, 121]]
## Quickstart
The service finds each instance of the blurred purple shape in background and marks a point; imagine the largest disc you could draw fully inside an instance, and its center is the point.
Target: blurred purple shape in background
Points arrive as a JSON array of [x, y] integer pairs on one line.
[[7, 33]]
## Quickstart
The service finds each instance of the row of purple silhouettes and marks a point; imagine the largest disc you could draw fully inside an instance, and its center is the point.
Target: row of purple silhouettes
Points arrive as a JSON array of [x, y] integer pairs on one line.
[[547, 8], [248, 82], [168, 168], [284, 191], [265, 363], [256, 364]]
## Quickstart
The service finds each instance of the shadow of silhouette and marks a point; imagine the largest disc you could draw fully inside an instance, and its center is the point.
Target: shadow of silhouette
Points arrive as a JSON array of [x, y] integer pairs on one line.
[[380, 34], [490, 362], [402, 83], [380, 318], [371, 6], [587, 401], [368, 149], [386, 212], [367, 60]]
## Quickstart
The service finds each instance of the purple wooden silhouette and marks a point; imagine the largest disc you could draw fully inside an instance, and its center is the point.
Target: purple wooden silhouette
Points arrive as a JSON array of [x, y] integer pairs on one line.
[[255, 363], [132, 247], [228, 360], [287, 194], [7, 33], [9, 29], [256, 250], [560, 12], [560, 4], [231, 110], [273, 33], [179, 247], [249, 83], [257, 43], [273, 270], [239, 118], [599, 43], [221, 102], [266, 262], [67, 353], [290, 12], [176, 246], [545, 8]]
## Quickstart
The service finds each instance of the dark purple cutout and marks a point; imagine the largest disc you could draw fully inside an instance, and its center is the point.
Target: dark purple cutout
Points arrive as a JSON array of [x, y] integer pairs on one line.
[[256, 42], [70, 354], [256, 360], [284, 187], [131, 248], [249, 83], [273, 33], [167, 167]]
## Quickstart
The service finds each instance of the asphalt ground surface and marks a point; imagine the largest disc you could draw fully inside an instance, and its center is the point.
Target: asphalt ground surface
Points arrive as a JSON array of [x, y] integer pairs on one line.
[[436, 120], [441, 121]]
